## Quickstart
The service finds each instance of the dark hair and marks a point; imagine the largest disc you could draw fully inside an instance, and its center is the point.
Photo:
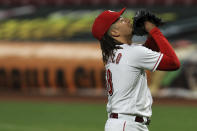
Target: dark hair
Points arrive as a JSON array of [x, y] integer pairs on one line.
[[108, 45]]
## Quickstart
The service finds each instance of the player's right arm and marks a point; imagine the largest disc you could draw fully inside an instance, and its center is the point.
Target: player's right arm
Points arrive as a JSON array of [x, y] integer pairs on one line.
[[159, 43]]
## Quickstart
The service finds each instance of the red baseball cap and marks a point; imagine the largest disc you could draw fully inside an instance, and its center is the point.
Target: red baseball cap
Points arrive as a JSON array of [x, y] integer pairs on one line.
[[103, 22]]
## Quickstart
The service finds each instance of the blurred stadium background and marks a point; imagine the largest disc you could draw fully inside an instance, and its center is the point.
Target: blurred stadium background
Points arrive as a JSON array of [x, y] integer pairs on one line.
[[51, 70]]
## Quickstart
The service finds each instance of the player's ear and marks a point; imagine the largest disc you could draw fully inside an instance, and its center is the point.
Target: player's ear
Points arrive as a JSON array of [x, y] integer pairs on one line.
[[114, 33]]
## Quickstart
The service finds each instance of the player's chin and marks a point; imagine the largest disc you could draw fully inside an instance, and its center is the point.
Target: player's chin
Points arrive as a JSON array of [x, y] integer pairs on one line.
[[131, 32], [130, 35], [131, 29]]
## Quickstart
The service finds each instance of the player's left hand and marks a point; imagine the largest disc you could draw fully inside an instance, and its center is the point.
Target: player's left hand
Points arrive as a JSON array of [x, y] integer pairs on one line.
[[149, 26]]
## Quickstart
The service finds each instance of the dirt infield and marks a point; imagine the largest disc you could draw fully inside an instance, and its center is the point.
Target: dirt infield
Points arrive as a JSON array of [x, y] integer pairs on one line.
[[97, 100]]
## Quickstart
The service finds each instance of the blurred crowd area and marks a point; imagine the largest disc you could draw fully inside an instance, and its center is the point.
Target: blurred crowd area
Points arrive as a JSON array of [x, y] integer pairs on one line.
[[46, 46]]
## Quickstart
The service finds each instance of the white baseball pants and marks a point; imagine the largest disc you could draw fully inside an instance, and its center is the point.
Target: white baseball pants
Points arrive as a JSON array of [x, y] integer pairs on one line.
[[122, 124]]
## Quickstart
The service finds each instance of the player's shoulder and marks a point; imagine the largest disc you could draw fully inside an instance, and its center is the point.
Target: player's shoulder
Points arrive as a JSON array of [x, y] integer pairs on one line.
[[133, 49], [136, 48], [133, 45]]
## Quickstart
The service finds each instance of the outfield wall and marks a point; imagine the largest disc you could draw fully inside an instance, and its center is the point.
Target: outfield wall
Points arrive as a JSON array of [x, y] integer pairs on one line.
[[50, 68], [77, 69]]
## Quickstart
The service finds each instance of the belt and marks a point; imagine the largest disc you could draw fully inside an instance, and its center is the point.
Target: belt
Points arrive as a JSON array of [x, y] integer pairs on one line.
[[139, 119]]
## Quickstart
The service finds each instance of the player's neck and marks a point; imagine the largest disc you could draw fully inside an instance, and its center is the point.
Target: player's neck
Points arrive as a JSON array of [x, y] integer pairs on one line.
[[124, 40]]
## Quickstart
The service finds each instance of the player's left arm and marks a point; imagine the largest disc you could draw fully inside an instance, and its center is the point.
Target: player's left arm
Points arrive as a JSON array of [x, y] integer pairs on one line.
[[151, 44], [159, 43], [170, 60]]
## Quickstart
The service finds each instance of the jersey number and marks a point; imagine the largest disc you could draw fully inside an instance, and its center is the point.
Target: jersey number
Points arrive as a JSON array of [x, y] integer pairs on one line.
[[109, 82]]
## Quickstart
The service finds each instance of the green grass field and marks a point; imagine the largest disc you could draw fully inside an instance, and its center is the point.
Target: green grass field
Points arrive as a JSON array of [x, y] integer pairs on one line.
[[42, 116]]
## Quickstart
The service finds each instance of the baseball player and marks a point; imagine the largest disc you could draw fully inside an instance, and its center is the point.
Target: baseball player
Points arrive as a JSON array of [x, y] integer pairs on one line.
[[129, 98]]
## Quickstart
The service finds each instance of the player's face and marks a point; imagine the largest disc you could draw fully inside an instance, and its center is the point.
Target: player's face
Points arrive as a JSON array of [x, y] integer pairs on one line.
[[123, 26]]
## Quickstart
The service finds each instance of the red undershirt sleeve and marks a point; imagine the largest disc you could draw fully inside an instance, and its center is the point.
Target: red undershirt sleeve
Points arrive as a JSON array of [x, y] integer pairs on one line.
[[157, 42], [150, 43]]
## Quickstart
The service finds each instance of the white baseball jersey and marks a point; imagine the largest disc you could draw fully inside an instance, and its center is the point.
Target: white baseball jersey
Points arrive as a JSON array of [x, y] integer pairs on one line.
[[128, 92]]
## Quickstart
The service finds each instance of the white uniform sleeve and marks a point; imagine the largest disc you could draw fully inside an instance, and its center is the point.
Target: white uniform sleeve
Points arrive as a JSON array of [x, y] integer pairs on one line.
[[145, 58]]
